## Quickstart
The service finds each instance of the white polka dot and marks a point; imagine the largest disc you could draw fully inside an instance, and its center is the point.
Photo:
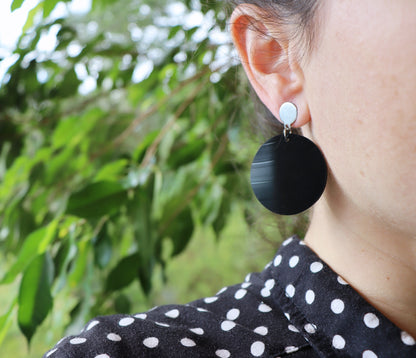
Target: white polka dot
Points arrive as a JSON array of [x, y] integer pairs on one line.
[[162, 324], [141, 316], [310, 328], [77, 340], [262, 330], [292, 328], [245, 285], [222, 290], [127, 321], [257, 349], [302, 243], [248, 277], [102, 356], [51, 352], [270, 284], [172, 313], [287, 315], [233, 314], [210, 299], [268, 265], [92, 325], [240, 294], [113, 337], [198, 331], [265, 292], [264, 308], [338, 342], [199, 309], [309, 297], [290, 290], [187, 342], [342, 281], [316, 267], [223, 353], [291, 349], [407, 339], [227, 325], [151, 342], [287, 242], [369, 354], [371, 320], [294, 260], [277, 260], [337, 306]]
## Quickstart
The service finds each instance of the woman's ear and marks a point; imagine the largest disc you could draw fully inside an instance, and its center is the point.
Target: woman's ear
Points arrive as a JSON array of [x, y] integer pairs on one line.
[[269, 60]]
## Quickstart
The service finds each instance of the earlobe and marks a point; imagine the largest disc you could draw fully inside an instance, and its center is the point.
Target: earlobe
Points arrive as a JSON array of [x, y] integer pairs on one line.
[[268, 60]]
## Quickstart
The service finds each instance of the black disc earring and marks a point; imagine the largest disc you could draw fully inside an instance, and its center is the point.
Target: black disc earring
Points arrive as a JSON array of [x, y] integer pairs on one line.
[[288, 173]]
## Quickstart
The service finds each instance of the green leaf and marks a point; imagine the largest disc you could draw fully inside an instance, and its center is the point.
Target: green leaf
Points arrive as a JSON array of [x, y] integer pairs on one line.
[[140, 209], [112, 171], [123, 274], [122, 304], [180, 231], [103, 248], [140, 151], [81, 263], [145, 273], [31, 17], [59, 166], [222, 216], [62, 260], [35, 244], [227, 166], [6, 321], [97, 199], [35, 298], [209, 202], [141, 213], [68, 86], [71, 131], [16, 4], [174, 30], [189, 33], [48, 6], [187, 153]]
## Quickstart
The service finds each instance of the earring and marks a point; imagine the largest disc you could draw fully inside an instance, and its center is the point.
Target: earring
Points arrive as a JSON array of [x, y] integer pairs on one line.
[[288, 173]]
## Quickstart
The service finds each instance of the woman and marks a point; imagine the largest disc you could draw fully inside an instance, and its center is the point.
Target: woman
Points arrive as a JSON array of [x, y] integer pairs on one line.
[[348, 289]]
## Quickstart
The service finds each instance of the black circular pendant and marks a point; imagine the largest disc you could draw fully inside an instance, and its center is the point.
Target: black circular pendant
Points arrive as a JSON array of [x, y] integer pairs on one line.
[[288, 175]]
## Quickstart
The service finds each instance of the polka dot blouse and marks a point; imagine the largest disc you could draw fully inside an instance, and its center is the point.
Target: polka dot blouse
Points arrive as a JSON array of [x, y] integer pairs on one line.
[[297, 308]]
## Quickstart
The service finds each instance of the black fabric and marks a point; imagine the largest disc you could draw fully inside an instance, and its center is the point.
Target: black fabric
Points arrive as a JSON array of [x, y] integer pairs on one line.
[[297, 307]]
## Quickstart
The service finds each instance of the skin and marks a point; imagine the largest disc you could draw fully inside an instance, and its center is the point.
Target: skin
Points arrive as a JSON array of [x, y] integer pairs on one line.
[[356, 96]]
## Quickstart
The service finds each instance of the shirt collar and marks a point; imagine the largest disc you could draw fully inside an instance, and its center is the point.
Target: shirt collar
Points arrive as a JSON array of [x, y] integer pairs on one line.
[[328, 312]]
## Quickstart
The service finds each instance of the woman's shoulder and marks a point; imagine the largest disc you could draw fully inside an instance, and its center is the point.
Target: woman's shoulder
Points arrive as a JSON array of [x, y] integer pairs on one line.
[[236, 322]]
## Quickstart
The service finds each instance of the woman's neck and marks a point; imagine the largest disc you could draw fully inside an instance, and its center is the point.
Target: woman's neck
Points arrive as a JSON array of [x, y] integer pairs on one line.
[[375, 260]]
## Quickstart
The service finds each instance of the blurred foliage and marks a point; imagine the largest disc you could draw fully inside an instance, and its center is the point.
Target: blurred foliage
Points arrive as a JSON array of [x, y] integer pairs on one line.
[[115, 144]]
